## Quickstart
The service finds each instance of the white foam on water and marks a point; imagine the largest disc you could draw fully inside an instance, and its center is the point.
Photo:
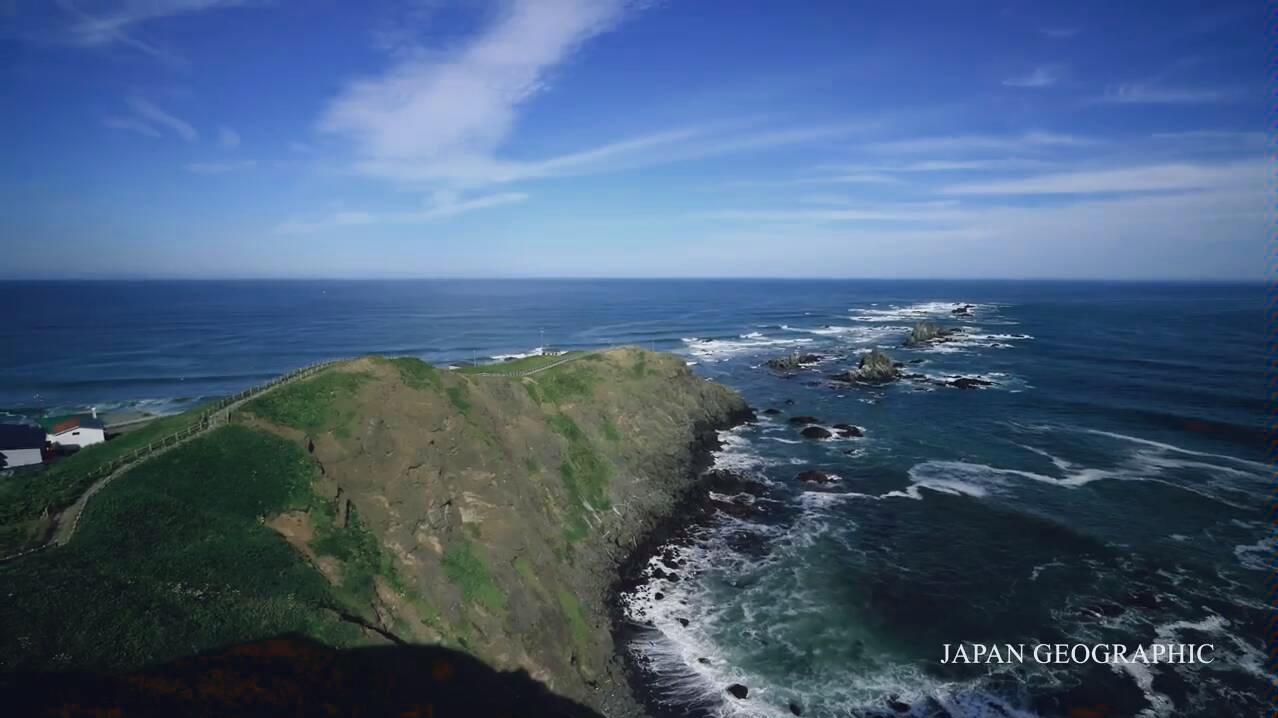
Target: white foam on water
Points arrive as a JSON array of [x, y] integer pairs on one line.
[[968, 339], [693, 664], [534, 352], [1150, 461], [721, 349], [736, 453], [997, 380], [942, 485], [922, 310], [1160, 706], [1265, 470], [855, 335], [1259, 556]]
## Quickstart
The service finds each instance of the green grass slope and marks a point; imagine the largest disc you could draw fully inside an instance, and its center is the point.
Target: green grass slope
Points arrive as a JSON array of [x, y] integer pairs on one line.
[[380, 498]]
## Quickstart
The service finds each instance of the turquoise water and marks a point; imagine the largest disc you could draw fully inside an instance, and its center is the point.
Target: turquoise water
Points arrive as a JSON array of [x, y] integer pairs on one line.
[[1107, 486]]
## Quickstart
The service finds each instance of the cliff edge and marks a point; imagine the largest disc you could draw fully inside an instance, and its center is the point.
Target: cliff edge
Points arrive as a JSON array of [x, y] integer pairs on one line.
[[385, 501]]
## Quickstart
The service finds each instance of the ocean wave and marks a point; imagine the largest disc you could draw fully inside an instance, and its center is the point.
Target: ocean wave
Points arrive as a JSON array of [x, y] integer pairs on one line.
[[721, 349], [1151, 461], [994, 380], [534, 352], [1259, 556], [737, 453], [744, 588], [922, 310], [968, 339], [855, 335]]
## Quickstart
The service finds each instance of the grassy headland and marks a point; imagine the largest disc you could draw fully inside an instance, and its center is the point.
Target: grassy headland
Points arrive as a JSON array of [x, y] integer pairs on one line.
[[380, 499]]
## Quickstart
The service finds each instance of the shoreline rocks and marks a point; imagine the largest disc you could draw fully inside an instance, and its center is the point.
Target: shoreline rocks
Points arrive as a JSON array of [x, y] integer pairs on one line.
[[969, 382], [816, 432], [926, 332], [875, 367], [793, 362]]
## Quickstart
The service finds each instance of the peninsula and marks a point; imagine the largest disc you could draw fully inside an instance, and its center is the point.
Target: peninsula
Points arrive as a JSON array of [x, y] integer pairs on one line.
[[384, 502]]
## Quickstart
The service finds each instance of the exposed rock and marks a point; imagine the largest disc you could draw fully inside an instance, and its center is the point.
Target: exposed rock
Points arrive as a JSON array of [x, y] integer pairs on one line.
[[962, 310], [849, 430], [796, 709], [738, 691], [682, 622], [896, 704], [816, 432], [815, 477], [925, 332], [874, 368], [770, 411], [793, 361], [968, 382]]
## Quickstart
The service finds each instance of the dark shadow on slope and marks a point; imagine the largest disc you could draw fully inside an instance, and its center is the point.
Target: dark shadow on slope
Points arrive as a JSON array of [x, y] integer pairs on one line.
[[293, 676]]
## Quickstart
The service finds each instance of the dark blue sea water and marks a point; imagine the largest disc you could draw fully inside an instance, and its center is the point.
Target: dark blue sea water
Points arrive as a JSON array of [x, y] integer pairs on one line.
[[1108, 486]]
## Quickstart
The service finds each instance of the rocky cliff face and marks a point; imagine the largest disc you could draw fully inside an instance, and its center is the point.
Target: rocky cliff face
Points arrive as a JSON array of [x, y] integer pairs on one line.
[[498, 507]]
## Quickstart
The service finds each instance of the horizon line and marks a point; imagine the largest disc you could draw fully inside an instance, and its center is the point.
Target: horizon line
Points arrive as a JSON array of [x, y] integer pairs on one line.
[[437, 278]]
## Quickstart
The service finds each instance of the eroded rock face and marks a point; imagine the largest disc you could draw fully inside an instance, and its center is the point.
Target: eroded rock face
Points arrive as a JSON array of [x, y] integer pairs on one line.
[[492, 496]]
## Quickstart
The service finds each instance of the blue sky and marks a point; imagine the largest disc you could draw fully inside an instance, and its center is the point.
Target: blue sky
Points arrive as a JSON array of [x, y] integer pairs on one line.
[[304, 138]]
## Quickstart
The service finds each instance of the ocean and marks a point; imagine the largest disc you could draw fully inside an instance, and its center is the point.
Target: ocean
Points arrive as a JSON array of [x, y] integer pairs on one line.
[[1108, 484]]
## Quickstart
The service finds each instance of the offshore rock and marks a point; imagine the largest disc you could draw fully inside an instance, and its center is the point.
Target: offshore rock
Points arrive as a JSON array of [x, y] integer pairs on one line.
[[793, 361], [927, 332], [874, 368]]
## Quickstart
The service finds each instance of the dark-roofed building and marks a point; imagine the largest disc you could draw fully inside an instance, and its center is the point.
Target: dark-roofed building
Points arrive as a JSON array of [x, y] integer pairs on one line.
[[21, 445]]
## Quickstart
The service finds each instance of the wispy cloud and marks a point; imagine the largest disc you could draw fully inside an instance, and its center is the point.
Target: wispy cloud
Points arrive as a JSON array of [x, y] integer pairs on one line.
[[131, 124], [228, 138], [219, 168], [1150, 94], [852, 211], [117, 22], [432, 120], [1025, 142], [1150, 178], [445, 117], [1041, 76], [444, 204], [149, 119], [1237, 143], [930, 166]]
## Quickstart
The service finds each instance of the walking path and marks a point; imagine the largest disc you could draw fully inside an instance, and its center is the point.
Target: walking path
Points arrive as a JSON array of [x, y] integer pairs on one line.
[[529, 372], [68, 520]]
